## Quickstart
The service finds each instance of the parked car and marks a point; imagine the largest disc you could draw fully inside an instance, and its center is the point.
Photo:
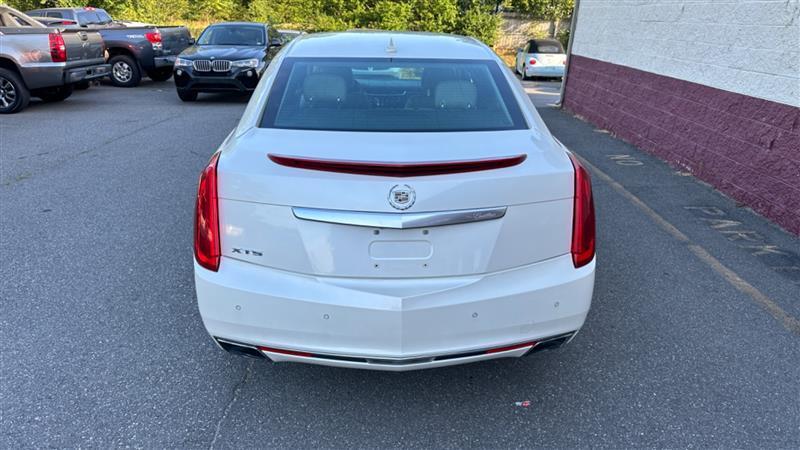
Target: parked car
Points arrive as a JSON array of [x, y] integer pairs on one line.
[[44, 62], [356, 218], [541, 58], [229, 56], [134, 50]]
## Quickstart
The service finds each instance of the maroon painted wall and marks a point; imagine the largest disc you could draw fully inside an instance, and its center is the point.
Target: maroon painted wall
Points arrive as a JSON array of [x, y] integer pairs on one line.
[[746, 147]]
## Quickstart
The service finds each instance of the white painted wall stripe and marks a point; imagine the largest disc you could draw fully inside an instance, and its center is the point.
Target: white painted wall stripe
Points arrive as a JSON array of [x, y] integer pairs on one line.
[[746, 46]]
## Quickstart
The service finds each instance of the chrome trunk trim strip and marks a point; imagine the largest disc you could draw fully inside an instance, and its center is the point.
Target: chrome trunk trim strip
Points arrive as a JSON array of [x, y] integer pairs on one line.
[[399, 220]]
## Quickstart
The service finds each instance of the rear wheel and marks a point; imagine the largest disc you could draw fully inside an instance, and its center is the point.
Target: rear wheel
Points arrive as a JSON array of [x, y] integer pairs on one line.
[[14, 96], [125, 71], [58, 94], [187, 96], [160, 74]]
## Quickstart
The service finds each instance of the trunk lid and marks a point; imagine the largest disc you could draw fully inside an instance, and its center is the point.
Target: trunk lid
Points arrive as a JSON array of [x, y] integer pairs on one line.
[[260, 202]]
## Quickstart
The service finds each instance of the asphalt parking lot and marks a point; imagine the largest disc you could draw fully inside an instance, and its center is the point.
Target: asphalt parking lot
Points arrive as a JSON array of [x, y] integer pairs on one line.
[[693, 338]]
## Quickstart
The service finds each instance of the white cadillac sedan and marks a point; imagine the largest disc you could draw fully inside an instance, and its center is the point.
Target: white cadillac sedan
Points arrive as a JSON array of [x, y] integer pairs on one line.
[[392, 201]]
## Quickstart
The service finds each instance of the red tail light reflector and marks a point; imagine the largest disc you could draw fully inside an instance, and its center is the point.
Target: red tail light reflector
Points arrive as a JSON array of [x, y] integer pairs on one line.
[[417, 169], [532, 62], [206, 220], [511, 347], [583, 222], [285, 352], [58, 49]]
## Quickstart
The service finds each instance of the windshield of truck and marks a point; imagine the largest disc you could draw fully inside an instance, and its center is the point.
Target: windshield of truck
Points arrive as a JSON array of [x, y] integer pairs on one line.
[[251, 35]]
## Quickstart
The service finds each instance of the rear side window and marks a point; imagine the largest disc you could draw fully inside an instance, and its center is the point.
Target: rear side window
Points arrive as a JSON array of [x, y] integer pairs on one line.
[[399, 95]]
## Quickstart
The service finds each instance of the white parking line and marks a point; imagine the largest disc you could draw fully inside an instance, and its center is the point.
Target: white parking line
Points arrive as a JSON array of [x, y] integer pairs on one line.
[[788, 321]]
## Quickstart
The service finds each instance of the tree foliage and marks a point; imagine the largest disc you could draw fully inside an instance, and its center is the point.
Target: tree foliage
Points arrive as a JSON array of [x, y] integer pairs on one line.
[[469, 17], [545, 9]]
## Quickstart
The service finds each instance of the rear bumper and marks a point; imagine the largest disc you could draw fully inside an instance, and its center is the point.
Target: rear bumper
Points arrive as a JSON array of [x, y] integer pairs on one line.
[[164, 61], [78, 74], [364, 323], [544, 71]]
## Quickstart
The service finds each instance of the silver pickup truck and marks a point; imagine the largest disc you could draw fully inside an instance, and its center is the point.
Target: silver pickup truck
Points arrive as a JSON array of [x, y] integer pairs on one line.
[[44, 62]]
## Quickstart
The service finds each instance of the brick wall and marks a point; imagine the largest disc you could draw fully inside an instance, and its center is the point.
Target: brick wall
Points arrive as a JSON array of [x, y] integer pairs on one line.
[[747, 46], [710, 86], [748, 148]]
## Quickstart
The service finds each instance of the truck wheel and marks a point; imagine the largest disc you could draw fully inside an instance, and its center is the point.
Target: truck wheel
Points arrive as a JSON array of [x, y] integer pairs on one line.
[[187, 96], [125, 71], [57, 94], [160, 74], [14, 96]]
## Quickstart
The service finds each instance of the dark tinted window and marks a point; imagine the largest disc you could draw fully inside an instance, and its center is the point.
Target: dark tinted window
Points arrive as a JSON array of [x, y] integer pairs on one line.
[[93, 17], [251, 35], [546, 47], [347, 94]]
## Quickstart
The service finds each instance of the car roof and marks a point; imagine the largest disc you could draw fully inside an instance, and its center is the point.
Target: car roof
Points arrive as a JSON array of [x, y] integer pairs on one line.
[[382, 44], [237, 23]]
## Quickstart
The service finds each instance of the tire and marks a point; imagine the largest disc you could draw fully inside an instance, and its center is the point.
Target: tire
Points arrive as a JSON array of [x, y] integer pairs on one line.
[[187, 96], [160, 74], [58, 94], [14, 95], [82, 85], [125, 71]]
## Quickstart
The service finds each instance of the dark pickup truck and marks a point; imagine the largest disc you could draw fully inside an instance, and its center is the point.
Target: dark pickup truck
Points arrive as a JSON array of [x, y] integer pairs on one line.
[[44, 62], [134, 49]]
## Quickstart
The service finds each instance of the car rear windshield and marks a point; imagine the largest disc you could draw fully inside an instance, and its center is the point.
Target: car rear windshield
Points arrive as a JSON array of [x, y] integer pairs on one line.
[[547, 47], [405, 95]]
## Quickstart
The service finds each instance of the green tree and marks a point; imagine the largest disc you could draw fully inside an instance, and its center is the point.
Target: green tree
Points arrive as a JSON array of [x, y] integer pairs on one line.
[[553, 11], [480, 22], [438, 16], [154, 11]]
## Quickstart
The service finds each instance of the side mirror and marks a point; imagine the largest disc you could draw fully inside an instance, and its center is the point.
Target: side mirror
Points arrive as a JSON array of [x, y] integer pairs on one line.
[[275, 43], [192, 41]]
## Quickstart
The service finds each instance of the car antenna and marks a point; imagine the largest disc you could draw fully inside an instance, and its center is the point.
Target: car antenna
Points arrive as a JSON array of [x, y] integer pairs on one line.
[[391, 48]]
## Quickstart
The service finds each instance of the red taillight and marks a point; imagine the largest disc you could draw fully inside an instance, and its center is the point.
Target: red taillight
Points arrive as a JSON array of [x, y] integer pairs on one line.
[[388, 169], [583, 226], [206, 218], [155, 40], [154, 37], [58, 49], [532, 62]]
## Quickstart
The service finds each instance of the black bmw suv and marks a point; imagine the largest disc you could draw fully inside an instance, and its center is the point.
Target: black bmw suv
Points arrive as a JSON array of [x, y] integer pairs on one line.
[[229, 56]]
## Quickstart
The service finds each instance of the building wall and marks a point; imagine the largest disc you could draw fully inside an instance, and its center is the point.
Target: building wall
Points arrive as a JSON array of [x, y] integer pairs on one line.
[[712, 87]]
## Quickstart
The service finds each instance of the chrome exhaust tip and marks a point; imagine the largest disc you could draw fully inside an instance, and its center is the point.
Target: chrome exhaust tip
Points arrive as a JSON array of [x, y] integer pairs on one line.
[[552, 343], [239, 349]]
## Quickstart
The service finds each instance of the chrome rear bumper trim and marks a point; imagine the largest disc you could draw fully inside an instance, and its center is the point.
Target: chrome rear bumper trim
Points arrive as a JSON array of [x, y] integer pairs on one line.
[[399, 220]]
